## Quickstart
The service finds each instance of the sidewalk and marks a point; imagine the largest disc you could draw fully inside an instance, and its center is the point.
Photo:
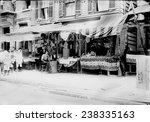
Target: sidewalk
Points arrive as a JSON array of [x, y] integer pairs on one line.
[[97, 87]]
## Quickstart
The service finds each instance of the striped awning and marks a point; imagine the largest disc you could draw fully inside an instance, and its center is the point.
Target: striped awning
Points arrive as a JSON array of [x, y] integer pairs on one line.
[[106, 26], [109, 25]]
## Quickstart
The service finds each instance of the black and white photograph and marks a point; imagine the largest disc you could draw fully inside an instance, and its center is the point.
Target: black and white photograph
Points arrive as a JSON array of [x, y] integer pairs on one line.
[[74, 52]]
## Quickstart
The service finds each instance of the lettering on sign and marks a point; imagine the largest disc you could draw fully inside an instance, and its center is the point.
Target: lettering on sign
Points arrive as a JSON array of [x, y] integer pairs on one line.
[[140, 77]]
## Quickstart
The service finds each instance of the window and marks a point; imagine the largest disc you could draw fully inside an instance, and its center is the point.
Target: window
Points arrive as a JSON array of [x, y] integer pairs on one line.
[[6, 46], [78, 7], [90, 5], [69, 7], [103, 5], [6, 30], [23, 24], [100, 5], [44, 9], [27, 4], [112, 4]]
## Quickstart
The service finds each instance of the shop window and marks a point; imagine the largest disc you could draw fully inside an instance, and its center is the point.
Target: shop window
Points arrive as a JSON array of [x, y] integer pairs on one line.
[[44, 9], [6, 30]]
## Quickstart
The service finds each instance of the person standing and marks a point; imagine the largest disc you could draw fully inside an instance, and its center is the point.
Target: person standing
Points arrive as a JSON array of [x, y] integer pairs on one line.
[[19, 59], [7, 62], [45, 61], [123, 62]]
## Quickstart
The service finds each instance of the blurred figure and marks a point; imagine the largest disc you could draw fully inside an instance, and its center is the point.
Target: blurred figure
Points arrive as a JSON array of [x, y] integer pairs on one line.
[[1, 61], [6, 62], [45, 61], [19, 59], [13, 59]]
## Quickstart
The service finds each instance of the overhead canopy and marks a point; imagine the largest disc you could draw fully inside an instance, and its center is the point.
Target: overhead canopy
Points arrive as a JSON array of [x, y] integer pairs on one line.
[[140, 9], [109, 25], [106, 26], [22, 34], [4, 38], [45, 28]]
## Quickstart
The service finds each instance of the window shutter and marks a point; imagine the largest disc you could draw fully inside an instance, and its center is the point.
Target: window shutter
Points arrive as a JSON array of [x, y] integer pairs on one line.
[[111, 3], [95, 5], [36, 10], [90, 5], [40, 11], [50, 9], [78, 7], [61, 8]]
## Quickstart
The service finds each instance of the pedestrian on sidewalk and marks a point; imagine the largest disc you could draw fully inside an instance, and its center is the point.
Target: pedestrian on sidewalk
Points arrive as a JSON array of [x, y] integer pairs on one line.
[[19, 59], [46, 61], [13, 59], [7, 62], [123, 62], [1, 61]]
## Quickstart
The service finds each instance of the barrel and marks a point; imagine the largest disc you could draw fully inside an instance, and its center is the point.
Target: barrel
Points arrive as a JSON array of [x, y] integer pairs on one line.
[[53, 65]]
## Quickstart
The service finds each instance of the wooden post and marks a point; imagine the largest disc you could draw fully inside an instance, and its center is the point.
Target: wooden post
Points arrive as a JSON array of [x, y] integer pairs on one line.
[[57, 46], [79, 47], [85, 47]]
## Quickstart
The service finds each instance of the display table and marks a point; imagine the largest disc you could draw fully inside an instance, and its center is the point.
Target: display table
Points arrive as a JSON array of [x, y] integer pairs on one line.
[[99, 62], [69, 62], [30, 62]]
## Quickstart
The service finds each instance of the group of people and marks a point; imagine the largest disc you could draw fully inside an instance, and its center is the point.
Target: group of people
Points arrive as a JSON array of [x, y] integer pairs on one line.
[[10, 60]]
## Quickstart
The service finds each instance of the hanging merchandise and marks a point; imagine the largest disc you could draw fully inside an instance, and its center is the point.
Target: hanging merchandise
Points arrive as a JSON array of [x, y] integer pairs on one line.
[[87, 39], [50, 36], [64, 35], [43, 35]]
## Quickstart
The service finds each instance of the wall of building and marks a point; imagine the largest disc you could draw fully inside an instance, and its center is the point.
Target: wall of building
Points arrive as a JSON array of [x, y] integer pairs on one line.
[[29, 15]]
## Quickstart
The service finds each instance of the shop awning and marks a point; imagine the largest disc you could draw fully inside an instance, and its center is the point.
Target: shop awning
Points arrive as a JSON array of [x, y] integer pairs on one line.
[[23, 34], [140, 9], [45, 28], [106, 26], [84, 28], [4, 38], [109, 25]]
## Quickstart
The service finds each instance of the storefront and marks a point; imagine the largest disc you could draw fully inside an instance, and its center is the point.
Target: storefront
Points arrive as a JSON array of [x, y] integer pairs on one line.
[[136, 33], [102, 46]]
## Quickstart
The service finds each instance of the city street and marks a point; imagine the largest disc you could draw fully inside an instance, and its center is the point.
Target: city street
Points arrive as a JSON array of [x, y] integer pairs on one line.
[[36, 88]]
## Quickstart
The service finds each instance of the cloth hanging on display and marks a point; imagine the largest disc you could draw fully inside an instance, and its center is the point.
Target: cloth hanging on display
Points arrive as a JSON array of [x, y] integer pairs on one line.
[[64, 35], [87, 39]]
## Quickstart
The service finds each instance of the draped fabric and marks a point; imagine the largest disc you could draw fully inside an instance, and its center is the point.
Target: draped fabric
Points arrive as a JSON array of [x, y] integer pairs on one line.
[[106, 26], [64, 35], [129, 5], [109, 25]]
